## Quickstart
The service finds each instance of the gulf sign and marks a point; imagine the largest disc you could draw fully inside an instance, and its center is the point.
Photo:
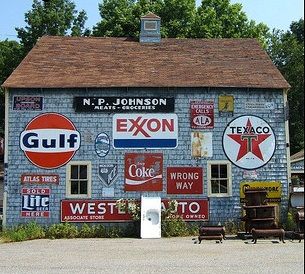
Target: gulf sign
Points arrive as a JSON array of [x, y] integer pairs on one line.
[[148, 131], [184, 180], [249, 142], [50, 140]]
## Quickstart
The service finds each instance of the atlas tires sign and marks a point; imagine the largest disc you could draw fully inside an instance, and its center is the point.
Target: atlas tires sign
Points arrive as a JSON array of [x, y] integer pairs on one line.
[[50, 140]]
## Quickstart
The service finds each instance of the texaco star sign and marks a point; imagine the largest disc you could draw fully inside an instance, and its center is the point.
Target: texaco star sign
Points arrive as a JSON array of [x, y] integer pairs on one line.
[[249, 142]]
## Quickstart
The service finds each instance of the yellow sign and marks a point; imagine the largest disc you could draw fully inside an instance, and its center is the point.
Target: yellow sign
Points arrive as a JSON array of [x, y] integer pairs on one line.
[[274, 190], [226, 103]]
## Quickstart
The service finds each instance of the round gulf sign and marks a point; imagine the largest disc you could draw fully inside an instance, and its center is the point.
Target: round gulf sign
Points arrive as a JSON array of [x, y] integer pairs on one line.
[[50, 140], [249, 142]]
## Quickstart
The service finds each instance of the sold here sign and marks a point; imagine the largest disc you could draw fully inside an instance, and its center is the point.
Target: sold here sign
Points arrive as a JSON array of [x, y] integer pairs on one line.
[[145, 131]]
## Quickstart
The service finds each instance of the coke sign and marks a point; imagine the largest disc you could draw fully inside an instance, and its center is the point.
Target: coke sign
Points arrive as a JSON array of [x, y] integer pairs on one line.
[[145, 131], [50, 140], [143, 172]]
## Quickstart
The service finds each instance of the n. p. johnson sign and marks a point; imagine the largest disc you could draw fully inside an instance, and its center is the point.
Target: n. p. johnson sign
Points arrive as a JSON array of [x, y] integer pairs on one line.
[[145, 131]]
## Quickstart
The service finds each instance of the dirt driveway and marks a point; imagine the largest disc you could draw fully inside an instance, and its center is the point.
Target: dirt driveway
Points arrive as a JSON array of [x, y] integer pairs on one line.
[[166, 255]]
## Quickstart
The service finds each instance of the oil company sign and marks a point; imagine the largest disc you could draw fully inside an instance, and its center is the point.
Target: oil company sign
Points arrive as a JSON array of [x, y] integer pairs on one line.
[[35, 202], [184, 180], [50, 140], [143, 172], [149, 131], [202, 114], [249, 142]]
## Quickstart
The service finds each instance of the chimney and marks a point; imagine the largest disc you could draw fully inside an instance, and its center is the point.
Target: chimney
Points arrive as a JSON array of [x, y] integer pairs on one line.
[[150, 28]]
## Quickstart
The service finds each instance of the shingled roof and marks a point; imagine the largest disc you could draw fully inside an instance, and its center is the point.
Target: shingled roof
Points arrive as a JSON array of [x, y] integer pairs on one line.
[[79, 62]]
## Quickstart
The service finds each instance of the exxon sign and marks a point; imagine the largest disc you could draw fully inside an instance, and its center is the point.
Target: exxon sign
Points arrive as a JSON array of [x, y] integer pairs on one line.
[[50, 140], [145, 131]]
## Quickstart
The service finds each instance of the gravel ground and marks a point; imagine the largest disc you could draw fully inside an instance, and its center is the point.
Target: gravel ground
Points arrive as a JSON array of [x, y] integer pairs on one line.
[[166, 255]]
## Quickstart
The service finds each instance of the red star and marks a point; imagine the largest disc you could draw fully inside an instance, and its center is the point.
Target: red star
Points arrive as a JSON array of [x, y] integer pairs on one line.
[[249, 142]]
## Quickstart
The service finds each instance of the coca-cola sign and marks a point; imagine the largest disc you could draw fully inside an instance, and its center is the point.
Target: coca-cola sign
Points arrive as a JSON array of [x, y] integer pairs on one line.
[[143, 172]]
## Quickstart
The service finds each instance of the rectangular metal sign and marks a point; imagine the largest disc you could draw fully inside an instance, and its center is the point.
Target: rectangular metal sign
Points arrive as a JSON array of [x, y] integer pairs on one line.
[[202, 114], [274, 189], [202, 144], [33, 103], [124, 104], [226, 105], [35, 202], [184, 180], [40, 179], [150, 131]]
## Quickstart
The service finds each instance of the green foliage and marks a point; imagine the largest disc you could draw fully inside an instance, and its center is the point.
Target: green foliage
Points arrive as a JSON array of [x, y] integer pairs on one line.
[[54, 17], [20, 233], [174, 227], [63, 230], [289, 223], [286, 49]]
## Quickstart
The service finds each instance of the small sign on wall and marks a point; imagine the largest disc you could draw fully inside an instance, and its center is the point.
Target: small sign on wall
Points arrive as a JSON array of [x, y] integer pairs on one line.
[[202, 114], [143, 172], [35, 202], [202, 145], [108, 173], [226, 105], [39, 179], [184, 180], [32, 103]]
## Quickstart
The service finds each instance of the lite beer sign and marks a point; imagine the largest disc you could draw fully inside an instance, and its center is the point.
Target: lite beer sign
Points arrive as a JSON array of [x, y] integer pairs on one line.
[[143, 172], [50, 140], [35, 202], [184, 180], [202, 114], [145, 131], [249, 142]]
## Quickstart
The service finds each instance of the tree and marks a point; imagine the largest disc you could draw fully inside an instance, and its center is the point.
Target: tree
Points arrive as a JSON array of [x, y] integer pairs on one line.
[[52, 17], [10, 56], [286, 49]]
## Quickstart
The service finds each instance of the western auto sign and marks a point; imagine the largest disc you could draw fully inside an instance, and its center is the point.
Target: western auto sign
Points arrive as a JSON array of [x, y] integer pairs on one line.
[[79, 211], [40, 179], [50, 140], [273, 188], [202, 114], [149, 131], [86, 211], [249, 142], [35, 202], [184, 180], [143, 172], [124, 104]]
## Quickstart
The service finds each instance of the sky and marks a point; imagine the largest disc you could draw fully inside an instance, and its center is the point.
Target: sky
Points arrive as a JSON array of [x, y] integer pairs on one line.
[[274, 13]]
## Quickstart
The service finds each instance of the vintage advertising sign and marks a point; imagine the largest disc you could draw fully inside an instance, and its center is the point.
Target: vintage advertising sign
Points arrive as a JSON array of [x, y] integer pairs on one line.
[[92, 211], [124, 104], [249, 142], [143, 172], [226, 104], [102, 144], [84, 211], [274, 190], [50, 140], [148, 131], [33, 103], [108, 173], [184, 180], [191, 209], [202, 114], [35, 202], [259, 105], [40, 179], [202, 144]]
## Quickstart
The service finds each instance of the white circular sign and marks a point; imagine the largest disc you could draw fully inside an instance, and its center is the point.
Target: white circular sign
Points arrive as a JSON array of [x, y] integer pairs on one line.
[[249, 142]]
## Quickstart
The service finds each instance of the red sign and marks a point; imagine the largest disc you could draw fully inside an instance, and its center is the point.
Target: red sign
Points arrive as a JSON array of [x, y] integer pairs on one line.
[[143, 171], [184, 180], [191, 210], [50, 140], [79, 211], [40, 178], [202, 114]]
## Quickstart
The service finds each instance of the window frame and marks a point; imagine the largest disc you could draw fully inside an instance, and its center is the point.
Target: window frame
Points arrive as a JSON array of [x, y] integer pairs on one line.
[[229, 177], [68, 179]]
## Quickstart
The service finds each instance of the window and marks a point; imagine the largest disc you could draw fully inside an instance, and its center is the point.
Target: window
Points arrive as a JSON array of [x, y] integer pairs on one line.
[[150, 25], [219, 179], [79, 180]]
